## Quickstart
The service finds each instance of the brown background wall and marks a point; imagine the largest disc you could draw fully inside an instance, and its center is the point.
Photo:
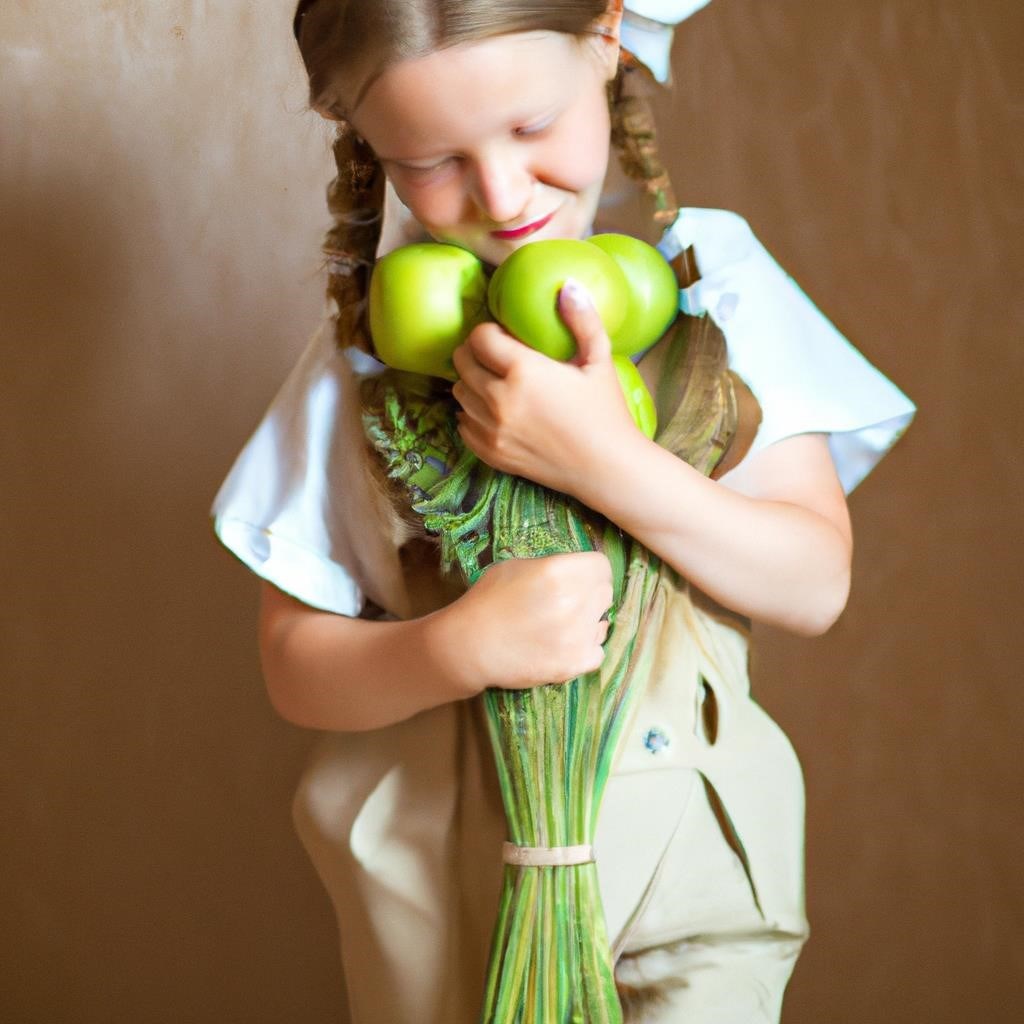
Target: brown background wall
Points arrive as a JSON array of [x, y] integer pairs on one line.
[[160, 210]]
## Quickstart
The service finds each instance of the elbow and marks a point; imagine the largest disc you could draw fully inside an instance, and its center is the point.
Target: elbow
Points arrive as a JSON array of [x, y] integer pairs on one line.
[[818, 623], [281, 696], [286, 700], [300, 704], [824, 606], [300, 696], [828, 586], [290, 677], [283, 673], [297, 694]]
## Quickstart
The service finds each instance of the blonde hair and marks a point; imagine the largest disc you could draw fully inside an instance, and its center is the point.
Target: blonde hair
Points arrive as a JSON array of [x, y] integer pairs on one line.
[[346, 44]]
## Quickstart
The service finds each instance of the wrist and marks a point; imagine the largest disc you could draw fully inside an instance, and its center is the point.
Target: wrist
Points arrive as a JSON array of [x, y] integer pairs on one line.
[[615, 458], [444, 634]]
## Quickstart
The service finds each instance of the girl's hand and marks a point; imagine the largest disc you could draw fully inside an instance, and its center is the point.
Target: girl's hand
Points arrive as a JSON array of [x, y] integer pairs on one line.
[[529, 621], [526, 414]]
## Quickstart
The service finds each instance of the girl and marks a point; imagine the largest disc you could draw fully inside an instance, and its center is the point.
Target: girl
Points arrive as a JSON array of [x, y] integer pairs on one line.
[[491, 124]]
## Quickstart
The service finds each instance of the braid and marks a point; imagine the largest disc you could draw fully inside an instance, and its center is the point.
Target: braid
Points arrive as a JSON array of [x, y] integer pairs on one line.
[[356, 201], [635, 138]]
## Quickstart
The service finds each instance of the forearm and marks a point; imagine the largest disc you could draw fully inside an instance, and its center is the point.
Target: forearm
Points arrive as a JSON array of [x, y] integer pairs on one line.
[[326, 671], [525, 622], [776, 561], [771, 540]]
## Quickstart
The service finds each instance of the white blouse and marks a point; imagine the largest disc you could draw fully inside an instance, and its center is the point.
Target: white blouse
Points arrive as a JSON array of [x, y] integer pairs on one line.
[[294, 507]]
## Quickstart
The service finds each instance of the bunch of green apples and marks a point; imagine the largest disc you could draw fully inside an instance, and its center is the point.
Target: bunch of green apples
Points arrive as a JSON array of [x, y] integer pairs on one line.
[[427, 297]]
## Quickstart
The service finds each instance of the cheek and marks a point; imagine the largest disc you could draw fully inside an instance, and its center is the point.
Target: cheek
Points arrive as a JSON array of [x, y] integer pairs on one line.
[[433, 205], [585, 149]]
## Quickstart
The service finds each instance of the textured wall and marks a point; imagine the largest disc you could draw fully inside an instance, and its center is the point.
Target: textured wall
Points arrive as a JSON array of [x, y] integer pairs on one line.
[[161, 198], [877, 149], [160, 208]]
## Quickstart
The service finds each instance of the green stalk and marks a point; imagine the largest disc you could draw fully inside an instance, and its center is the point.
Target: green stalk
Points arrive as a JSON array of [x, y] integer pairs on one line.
[[550, 961]]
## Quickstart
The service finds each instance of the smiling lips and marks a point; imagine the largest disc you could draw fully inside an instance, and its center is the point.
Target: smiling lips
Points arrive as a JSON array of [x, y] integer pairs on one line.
[[527, 229]]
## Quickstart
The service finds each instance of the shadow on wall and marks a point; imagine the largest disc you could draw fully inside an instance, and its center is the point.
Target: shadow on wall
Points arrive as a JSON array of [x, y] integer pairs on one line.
[[146, 784]]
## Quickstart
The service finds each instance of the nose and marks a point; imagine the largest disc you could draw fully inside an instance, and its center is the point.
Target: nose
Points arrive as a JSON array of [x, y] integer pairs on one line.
[[503, 185]]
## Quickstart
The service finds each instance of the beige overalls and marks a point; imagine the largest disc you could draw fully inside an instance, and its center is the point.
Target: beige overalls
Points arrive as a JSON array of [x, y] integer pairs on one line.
[[701, 880], [699, 842]]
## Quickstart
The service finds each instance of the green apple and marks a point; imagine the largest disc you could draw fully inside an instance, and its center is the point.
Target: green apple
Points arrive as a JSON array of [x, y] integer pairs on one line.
[[425, 298], [638, 398], [523, 294], [653, 292]]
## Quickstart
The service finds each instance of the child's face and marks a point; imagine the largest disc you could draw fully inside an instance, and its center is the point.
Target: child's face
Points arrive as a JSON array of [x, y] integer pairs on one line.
[[495, 144]]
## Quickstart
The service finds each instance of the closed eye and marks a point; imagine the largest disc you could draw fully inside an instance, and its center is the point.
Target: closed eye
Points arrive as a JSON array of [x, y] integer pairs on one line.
[[417, 171], [425, 168], [537, 128]]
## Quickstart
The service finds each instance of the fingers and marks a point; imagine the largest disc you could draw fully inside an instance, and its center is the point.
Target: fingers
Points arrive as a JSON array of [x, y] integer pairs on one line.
[[570, 587], [498, 384], [492, 348], [482, 363], [477, 388], [549, 610], [471, 402], [582, 582], [581, 317]]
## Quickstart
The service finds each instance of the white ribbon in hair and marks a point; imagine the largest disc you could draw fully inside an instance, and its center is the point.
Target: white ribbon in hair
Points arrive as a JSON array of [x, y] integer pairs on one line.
[[647, 29]]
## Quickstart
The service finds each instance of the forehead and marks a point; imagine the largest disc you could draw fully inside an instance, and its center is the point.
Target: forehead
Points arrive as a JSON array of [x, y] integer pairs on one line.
[[461, 93]]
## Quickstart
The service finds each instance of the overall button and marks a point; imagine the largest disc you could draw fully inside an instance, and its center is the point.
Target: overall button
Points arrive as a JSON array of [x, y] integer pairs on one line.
[[655, 740]]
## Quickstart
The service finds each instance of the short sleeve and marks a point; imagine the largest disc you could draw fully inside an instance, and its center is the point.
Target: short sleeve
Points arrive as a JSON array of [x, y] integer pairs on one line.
[[807, 377], [297, 506]]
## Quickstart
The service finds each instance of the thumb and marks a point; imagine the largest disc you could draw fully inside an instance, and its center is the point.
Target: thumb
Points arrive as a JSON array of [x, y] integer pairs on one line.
[[581, 317]]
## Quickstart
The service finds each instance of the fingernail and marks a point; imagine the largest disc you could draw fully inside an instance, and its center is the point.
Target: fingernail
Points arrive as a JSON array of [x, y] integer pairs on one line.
[[575, 294]]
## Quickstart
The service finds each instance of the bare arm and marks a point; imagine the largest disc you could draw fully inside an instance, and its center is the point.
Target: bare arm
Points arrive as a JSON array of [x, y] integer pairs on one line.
[[771, 540], [524, 623]]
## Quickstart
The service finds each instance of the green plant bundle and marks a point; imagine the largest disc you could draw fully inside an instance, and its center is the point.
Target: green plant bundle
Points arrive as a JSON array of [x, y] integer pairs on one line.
[[550, 957]]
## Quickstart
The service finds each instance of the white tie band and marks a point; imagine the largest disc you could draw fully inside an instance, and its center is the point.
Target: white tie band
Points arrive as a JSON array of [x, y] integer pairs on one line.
[[546, 856]]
